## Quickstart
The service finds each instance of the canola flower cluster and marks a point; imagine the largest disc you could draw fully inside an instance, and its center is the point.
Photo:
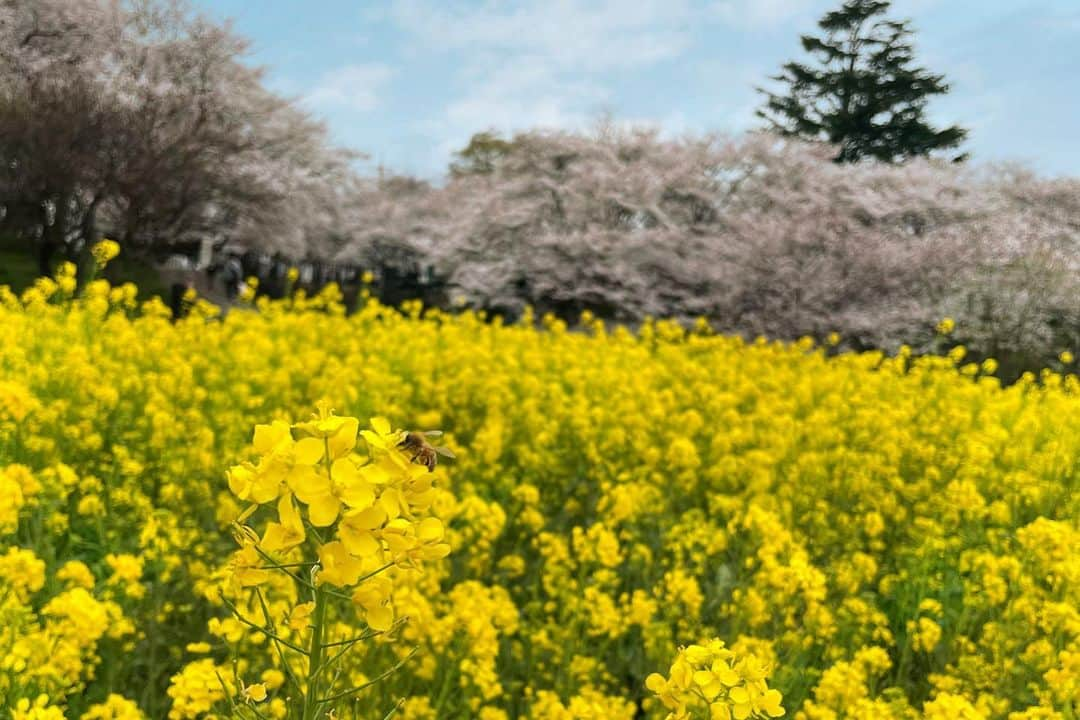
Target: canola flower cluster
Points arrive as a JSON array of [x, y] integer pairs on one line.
[[381, 500], [871, 536], [721, 686]]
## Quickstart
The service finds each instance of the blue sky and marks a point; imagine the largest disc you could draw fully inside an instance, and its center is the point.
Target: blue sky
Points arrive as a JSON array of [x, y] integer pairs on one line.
[[409, 82]]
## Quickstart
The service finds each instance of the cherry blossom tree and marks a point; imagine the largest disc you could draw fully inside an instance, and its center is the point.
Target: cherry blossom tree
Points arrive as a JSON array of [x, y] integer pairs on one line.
[[759, 235], [143, 118]]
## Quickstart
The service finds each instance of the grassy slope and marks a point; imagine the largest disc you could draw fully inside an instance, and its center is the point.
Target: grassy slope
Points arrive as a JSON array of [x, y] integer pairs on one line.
[[18, 268]]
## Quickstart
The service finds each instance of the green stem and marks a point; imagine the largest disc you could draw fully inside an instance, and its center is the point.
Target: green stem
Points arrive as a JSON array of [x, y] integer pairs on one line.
[[236, 613], [277, 645], [284, 569], [374, 681], [315, 653]]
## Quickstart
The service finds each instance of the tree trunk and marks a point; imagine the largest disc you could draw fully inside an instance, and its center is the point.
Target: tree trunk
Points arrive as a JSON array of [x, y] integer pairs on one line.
[[89, 223], [45, 254], [52, 233]]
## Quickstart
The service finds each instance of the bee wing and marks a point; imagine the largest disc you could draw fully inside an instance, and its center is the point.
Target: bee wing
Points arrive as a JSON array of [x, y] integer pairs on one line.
[[445, 452], [432, 433]]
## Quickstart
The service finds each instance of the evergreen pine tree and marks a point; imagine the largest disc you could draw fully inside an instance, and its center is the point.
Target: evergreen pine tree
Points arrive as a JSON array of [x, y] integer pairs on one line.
[[863, 92]]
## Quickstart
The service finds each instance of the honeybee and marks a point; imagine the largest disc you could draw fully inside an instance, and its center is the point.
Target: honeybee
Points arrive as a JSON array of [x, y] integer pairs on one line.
[[421, 451]]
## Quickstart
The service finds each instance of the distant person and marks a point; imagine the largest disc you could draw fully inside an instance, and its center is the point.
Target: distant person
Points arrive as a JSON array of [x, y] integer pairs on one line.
[[176, 301], [232, 275]]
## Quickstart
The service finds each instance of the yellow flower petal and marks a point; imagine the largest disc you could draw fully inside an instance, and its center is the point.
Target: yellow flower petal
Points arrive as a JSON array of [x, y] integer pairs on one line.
[[430, 530], [309, 451], [342, 442], [323, 510], [380, 618]]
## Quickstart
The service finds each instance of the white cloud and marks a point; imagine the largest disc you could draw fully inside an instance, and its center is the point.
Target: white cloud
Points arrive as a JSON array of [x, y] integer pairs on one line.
[[750, 14], [516, 95], [540, 63], [1061, 21], [525, 90], [578, 35], [353, 87]]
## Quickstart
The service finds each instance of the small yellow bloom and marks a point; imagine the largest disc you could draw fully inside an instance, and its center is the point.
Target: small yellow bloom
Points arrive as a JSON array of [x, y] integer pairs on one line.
[[105, 251], [300, 617], [255, 693], [373, 596], [245, 568], [337, 566], [286, 534]]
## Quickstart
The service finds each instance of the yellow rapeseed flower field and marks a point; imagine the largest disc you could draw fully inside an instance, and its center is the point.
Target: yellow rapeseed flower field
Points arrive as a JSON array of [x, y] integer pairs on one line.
[[217, 518]]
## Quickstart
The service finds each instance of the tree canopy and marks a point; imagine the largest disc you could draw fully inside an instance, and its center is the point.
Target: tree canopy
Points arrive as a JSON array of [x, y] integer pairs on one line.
[[142, 119], [862, 91]]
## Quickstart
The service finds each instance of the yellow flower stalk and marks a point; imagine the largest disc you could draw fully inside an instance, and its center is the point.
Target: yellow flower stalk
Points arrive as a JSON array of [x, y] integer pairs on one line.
[[344, 518]]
